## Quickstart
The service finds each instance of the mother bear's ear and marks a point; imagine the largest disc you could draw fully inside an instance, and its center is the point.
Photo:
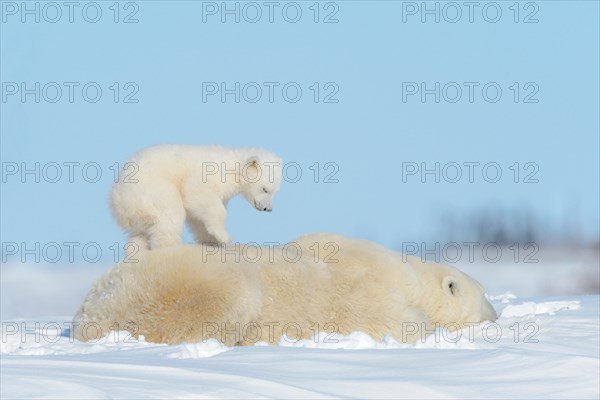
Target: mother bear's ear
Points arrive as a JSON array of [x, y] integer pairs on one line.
[[449, 285]]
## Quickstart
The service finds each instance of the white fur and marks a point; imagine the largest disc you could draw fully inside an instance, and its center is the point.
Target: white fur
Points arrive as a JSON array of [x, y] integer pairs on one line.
[[163, 185], [172, 295]]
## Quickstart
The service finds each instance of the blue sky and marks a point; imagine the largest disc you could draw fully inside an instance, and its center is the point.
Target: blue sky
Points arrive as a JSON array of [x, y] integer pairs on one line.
[[370, 133]]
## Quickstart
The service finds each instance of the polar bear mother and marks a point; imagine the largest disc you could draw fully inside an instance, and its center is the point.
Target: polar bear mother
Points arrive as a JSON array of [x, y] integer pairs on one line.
[[332, 283], [163, 185]]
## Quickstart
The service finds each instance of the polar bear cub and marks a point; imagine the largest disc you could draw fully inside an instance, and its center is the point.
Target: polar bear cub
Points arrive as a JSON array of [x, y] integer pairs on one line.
[[162, 186]]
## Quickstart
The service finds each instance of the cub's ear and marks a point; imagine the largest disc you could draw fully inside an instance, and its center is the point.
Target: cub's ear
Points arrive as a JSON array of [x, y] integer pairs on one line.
[[450, 286], [251, 170], [251, 161]]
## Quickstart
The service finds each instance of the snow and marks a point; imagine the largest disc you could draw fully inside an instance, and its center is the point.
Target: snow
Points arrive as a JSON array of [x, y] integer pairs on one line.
[[546, 344], [531, 308], [538, 348]]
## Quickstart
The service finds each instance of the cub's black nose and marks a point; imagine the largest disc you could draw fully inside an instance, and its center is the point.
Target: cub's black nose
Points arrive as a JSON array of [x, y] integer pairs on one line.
[[265, 209]]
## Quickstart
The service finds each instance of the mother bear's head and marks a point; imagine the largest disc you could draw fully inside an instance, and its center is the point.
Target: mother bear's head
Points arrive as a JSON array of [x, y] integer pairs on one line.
[[446, 295], [454, 297]]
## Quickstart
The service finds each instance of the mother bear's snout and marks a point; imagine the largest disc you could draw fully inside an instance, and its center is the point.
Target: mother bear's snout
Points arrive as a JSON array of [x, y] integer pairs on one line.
[[488, 313]]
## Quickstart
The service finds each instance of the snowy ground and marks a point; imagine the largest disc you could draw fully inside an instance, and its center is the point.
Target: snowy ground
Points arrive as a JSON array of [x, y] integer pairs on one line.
[[541, 347], [555, 355]]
